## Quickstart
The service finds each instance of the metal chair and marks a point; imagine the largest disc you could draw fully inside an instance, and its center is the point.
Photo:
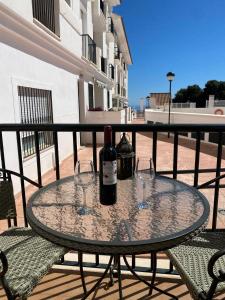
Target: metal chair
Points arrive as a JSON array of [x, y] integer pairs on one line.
[[25, 256], [201, 261]]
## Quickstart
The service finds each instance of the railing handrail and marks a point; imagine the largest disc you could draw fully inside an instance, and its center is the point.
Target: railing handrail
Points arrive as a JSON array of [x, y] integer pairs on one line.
[[116, 127]]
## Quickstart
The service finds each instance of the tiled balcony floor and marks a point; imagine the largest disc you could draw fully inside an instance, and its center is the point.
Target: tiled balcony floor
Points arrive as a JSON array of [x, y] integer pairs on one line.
[[63, 285]]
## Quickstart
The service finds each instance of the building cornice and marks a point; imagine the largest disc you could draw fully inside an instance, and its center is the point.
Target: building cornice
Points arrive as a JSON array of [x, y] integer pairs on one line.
[[23, 35]]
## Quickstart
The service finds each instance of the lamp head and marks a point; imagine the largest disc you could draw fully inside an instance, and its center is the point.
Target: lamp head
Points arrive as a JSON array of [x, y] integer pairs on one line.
[[170, 76]]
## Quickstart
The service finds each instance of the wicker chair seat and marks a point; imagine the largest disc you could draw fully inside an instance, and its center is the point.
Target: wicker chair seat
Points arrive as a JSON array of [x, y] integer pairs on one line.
[[191, 261], [29, 257]]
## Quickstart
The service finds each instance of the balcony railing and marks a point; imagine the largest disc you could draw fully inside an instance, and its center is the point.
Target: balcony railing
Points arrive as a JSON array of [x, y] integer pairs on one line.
[[44, 12], [104, 64], [88, 48], [111, 71], [154, 146]]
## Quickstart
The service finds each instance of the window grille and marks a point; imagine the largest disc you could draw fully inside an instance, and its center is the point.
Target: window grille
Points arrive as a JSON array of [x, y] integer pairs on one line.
[[44, 12], [35, 108]]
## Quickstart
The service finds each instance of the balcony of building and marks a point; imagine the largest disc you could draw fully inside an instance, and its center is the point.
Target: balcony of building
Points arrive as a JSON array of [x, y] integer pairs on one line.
[[111, 71], [110, 30], [189, 160], [88, 48]]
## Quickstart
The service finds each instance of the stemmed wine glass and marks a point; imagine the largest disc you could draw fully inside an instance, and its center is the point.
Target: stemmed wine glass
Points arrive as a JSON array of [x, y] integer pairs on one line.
[[144, 173], [84, 176]]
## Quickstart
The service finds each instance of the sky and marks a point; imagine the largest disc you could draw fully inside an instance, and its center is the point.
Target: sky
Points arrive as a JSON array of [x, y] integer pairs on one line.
[[186, 37]]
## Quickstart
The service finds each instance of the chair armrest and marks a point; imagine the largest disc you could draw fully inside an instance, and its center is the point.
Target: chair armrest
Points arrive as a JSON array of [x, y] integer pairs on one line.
[[211, 264], [4, 263]]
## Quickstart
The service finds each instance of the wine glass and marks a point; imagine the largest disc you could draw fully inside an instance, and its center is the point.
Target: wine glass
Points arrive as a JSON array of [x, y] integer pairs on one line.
[[144, 173], [84, 176]]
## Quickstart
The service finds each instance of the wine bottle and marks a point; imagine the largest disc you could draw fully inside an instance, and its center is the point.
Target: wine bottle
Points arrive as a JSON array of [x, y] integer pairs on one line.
[[108, 170]]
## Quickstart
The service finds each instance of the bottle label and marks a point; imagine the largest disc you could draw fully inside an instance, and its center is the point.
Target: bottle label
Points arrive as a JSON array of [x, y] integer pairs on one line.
[[109, 172]]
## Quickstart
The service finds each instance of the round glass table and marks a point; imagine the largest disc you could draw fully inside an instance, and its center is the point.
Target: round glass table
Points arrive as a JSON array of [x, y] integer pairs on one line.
[[175, 212]]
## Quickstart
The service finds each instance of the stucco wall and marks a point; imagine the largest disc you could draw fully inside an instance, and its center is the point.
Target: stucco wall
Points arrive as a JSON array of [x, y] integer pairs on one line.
[[25, 70]]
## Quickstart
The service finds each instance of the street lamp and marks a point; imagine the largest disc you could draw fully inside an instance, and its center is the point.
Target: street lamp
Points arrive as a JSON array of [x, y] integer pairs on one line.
[[170, 76]]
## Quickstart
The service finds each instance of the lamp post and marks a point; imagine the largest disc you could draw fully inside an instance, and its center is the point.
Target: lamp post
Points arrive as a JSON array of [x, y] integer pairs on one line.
[[170, 76]]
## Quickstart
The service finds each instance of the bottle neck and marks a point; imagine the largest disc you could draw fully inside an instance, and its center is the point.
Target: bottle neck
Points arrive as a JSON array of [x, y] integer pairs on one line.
[[108, 136]]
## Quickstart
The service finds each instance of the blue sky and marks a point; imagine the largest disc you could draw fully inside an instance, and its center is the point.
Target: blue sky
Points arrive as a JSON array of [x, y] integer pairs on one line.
[[185, 37]]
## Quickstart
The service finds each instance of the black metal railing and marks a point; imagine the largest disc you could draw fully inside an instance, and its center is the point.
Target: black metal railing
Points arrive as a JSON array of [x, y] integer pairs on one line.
[[88, 48], [156, 131], [111, 71], [110, 26], [44, 12], [104, 64]]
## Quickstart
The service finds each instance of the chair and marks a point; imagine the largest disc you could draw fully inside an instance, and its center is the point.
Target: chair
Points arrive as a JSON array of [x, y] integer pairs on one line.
[[201, 261], [26, 257]]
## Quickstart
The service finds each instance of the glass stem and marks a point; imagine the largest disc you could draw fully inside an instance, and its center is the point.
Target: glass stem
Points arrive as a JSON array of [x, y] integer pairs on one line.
[[143, 191], [85, 196]]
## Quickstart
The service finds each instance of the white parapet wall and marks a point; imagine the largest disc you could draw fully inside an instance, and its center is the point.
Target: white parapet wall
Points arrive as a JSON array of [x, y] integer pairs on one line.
[[157, 116], [102, 117]]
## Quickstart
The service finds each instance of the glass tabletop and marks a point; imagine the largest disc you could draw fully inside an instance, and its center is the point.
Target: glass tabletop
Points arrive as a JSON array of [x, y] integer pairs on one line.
[[175, 212]]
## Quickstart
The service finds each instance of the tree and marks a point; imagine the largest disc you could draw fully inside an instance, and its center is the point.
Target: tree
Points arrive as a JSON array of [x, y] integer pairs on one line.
[[193, 93]]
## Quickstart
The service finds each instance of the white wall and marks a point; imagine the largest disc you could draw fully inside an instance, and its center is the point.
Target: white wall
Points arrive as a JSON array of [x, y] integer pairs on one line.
[[25, 70], [183, 118], [102, 117]]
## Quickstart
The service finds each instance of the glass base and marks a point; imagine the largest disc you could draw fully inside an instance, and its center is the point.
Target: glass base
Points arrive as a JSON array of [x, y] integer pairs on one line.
[[143, 205], [84, 210]]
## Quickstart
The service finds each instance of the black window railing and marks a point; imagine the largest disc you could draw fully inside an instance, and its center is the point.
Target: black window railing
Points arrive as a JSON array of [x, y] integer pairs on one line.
[[104, 64], [35, 108], [88, 48], [111, 71], [44, 12], [110, 26], [155, 132]]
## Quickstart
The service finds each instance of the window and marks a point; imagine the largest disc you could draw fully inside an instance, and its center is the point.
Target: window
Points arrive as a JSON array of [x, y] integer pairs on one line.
[[35, 108], [45, 13], [91, 96]]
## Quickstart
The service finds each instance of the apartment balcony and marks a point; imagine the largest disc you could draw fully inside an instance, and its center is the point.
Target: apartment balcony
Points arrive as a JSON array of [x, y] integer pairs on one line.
[[104, 65], [111, 71], [98, 16], [110, 30], [45, 13], [188, 160], [88, 48]]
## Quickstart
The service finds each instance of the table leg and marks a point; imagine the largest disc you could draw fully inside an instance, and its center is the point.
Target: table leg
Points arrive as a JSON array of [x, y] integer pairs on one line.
[[146, 282], [80, 261], [153, 267], [100, 280], [117, 259]]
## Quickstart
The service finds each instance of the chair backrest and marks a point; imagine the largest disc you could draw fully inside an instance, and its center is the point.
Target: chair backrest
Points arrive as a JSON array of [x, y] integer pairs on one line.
[[7, 199]]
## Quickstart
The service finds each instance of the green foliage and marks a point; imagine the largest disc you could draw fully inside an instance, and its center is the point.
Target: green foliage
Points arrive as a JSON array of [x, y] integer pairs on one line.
[[193, 93]]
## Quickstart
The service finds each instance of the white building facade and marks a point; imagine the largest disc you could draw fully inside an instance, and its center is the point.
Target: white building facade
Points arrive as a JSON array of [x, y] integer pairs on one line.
[[57, 66]]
